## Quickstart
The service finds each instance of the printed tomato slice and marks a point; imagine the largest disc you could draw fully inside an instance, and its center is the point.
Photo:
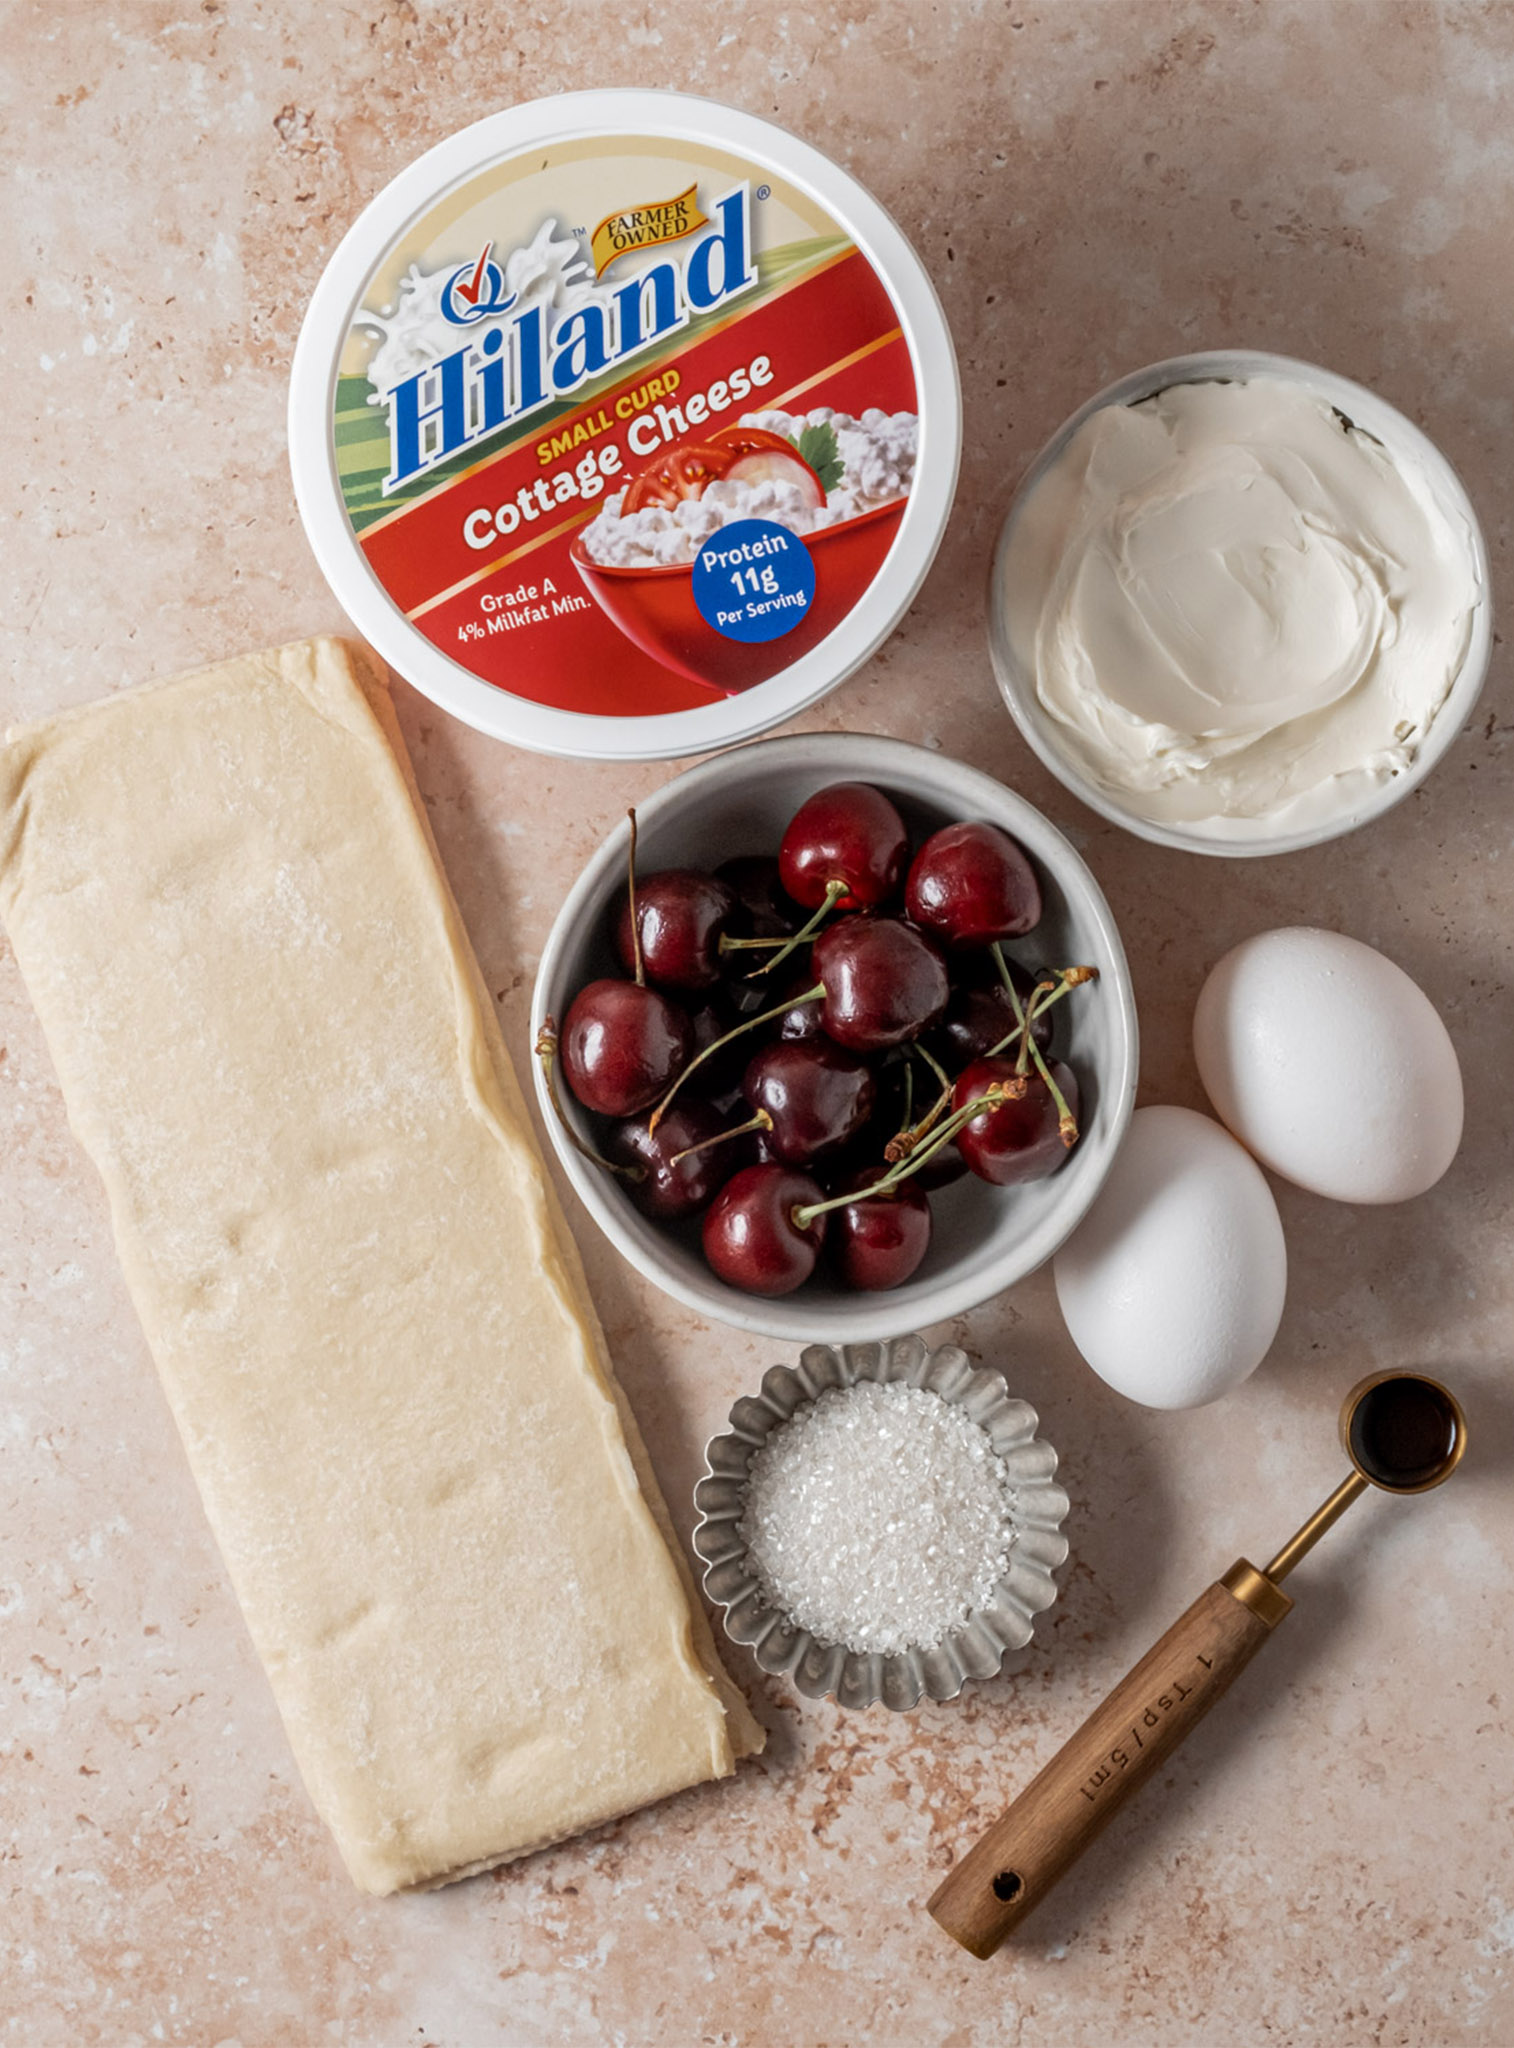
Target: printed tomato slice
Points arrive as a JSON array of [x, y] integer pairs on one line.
[[758, 457], [678, 473]]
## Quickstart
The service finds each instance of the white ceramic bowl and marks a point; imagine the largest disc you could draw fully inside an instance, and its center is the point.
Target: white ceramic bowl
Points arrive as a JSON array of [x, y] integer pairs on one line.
[[985, 1238], [1401, 438]]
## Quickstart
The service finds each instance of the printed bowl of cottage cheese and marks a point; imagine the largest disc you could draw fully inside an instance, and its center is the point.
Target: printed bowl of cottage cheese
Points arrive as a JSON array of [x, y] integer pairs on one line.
[[624, 425], [837, 481]]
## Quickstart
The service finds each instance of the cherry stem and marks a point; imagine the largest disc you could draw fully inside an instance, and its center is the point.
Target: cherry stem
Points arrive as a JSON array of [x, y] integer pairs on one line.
[[834, 891], [1022, 1022], [933, 1063], [905, 1129], [1067, 977], [1067, 1123], [760, 1122], [811, 995], [1036, 1009], [1067, 1129], [905, 1141], [546, 1052], [992, 1096], [641, 976]]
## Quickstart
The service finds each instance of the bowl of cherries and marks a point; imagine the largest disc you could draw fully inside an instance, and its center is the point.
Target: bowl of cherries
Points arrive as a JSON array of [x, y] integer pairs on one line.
[[835, 1037]]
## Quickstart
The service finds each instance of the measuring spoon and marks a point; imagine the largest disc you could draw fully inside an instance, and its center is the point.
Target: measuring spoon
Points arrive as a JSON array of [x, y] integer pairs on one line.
[[1404, 1433]]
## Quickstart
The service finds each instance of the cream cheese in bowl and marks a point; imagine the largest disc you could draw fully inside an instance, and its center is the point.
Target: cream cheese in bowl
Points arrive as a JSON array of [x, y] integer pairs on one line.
[[1231, 608]]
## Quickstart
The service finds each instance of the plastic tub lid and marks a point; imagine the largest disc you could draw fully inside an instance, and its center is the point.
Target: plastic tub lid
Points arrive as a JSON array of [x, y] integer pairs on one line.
[[624, 425]]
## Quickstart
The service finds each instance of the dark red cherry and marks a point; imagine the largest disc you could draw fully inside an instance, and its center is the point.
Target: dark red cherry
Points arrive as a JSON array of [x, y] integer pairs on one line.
[[745, 997], [884, 982], [865, 1151], [879, 1242], [762, 1147], [672, 1188], [977, 1019], [944, 1165], [970, 884], [940, 1170], [751, 1239], [767, 911], [1019, 1139], [802, 1022], [682, 915], [709, 1020], [817, 1095], [849, 833], [869, 1154], [731, 1105], [622, 1046]]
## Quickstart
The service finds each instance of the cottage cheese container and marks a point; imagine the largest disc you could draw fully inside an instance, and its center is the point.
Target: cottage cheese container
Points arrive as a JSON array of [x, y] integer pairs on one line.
[[624, 425]]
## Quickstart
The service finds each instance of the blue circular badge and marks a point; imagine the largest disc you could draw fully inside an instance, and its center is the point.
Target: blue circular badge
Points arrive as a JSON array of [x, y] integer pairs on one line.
[[753, 580]]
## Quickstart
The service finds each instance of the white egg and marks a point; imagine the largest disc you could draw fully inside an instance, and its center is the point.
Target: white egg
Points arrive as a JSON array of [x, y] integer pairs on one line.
[[1330, 1064], [1172, 1286]]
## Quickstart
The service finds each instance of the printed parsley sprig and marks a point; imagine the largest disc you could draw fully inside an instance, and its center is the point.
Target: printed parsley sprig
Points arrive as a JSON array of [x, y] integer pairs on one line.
[[817, 446]]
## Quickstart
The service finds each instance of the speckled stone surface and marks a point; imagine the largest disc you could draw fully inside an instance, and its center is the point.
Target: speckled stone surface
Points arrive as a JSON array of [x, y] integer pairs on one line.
[[1092, 187]]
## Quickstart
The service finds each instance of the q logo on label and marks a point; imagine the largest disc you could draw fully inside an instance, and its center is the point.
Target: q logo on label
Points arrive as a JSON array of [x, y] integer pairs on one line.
[[481, 297]]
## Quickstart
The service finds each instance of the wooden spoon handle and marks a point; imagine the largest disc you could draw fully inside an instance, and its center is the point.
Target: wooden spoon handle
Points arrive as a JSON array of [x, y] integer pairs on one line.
[[1028, 1849]]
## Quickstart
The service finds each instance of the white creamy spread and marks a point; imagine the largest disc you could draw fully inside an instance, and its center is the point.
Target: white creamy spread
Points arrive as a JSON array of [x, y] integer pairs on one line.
[[1237, 606], [877, 454]]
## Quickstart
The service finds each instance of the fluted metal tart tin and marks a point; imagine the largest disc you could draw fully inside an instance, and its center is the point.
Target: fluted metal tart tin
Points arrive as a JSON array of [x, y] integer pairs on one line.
[[996, 1635]]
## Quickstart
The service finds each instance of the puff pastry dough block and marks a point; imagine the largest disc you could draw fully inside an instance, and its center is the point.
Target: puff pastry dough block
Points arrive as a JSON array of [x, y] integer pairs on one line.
[[364, 1306]]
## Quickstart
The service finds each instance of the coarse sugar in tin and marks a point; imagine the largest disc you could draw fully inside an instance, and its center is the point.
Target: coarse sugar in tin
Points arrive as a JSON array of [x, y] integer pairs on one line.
[[879, 1517]]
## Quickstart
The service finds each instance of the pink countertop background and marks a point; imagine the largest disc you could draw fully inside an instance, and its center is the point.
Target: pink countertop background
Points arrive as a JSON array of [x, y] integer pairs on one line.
[[1091, 186]]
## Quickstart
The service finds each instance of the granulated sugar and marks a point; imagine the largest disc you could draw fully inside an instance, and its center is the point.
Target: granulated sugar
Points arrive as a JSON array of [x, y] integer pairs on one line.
[[878, 1517]]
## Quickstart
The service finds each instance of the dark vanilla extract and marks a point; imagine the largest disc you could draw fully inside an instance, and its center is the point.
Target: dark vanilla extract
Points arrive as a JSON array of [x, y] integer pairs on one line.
[[1403, 1432]]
